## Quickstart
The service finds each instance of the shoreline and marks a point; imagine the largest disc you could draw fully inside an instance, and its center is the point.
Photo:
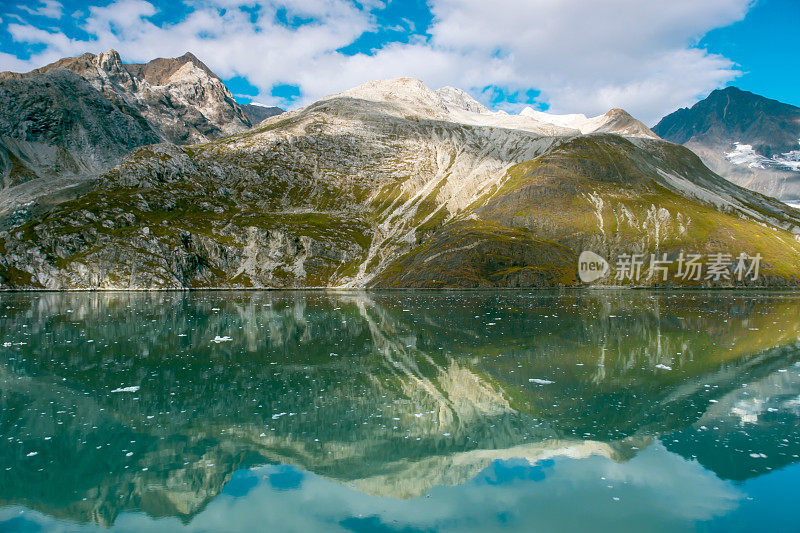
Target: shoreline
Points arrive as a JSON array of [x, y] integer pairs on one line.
[[616, 288]]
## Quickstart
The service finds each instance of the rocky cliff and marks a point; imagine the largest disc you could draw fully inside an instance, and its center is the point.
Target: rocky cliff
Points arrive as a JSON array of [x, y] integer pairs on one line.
[[81, 115]]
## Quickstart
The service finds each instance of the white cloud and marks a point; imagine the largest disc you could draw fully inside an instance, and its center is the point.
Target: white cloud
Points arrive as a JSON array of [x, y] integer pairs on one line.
[[656, 490], [584, 55], [45, 8], [588, 56]]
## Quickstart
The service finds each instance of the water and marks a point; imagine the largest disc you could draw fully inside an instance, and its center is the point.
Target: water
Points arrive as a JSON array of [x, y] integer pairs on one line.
[[399, 411]]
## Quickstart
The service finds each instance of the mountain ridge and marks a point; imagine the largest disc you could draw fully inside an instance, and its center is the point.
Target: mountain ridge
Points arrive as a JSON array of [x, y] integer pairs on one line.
[[387, 186], [256, 112], [411, 95]]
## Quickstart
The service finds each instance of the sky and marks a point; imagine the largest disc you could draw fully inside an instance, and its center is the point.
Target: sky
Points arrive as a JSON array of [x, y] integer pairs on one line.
[[562, 56]]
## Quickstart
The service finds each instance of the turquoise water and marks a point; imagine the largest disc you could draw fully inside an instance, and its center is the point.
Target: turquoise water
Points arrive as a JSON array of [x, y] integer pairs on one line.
[[399, 411]]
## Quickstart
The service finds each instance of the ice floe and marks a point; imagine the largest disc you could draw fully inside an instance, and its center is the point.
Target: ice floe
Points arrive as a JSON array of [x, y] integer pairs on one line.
[[134, 388]]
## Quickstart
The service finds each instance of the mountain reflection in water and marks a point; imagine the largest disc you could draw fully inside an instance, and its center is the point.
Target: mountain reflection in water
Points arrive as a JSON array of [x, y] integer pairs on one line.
[[213, 409]]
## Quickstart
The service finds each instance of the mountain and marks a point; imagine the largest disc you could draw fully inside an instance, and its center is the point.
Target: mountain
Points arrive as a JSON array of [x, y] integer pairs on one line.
[[81, 115], [751, 140], [256, 112], [392, 184]]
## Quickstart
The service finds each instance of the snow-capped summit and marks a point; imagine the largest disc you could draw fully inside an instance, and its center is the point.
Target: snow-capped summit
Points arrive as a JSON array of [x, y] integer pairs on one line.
[[573, 121], [614, 121], [411, 97]]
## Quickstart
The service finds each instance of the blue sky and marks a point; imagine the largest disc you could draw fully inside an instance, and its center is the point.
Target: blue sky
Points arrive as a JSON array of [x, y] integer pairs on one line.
[[560, 55], [766, 45]]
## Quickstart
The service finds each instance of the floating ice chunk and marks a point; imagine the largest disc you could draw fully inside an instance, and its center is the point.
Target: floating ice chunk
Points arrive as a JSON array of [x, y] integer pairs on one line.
[[663, 367], [219, 339], [541, 381], [127, 389]]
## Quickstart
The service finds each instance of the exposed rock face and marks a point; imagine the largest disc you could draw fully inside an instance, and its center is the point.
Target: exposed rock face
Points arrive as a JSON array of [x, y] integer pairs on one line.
[[81, 115], [256, 113], [392, 184], [55, 122], [751, 140]]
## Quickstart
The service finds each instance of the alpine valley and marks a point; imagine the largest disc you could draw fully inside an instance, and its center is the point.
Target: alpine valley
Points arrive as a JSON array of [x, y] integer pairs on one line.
[[389, 184]]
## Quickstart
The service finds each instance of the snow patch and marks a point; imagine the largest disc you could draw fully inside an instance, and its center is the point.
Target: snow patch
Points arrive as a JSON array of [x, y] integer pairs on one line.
[[744, 154]]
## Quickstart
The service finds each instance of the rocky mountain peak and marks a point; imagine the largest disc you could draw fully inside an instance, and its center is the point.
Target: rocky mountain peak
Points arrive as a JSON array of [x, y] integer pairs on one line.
[[408, 93], [745, 137], [110, 61], [619, 121], [459, 99], [733, 115], [92, 109], [160, 71]]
